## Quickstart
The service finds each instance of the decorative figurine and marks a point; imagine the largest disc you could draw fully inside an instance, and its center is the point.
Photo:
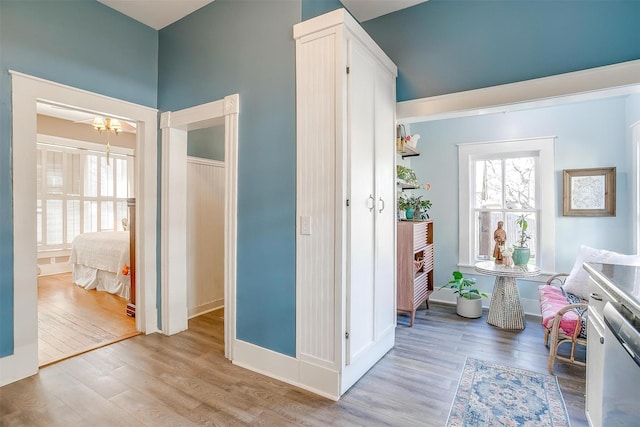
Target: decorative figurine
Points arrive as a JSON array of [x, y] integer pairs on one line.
[[500, 237]]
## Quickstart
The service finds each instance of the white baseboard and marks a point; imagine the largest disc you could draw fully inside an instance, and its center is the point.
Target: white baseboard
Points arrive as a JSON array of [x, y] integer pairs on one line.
[[530, 306], [319, 380], [21, 364], [51, 269], [205, 308]]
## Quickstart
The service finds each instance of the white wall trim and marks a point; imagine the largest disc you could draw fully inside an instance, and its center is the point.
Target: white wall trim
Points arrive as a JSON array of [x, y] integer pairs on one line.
[[635, 185], [617, 79], [26, 92], [319, 380], [544, 149], [446, 296], [175, 126], [206, 308]]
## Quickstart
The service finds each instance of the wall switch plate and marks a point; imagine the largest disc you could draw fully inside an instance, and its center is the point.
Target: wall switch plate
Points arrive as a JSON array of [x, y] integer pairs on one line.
[[305, 225]]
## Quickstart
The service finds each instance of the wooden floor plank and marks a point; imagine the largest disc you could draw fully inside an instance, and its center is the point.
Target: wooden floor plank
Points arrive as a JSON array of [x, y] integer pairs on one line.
[[73, 320], [184, 379]]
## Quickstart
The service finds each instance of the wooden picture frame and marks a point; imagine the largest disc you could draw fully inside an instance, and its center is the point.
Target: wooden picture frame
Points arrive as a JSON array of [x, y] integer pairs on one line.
[[589, 192]]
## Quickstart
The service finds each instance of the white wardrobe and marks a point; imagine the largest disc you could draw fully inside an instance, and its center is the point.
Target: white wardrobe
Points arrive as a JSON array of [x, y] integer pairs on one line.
[[345, 241]]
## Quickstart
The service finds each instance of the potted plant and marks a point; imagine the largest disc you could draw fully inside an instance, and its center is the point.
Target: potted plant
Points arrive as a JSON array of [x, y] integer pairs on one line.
[[407, 175], [403, 206], [420, 207], [521, 251], [413, 206], [469, 300]]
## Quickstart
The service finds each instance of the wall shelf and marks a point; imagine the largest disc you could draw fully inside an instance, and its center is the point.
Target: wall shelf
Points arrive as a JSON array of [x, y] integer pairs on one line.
[[408, 152], [404, 185]]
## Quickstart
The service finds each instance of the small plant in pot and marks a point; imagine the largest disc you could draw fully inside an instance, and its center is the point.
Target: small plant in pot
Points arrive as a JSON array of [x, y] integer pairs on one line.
[[521, 251], [420, 207], [407, 175], [469, 300]]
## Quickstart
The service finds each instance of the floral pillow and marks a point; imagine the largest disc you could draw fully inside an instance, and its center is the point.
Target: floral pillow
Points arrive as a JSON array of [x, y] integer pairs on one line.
[[577, 282]]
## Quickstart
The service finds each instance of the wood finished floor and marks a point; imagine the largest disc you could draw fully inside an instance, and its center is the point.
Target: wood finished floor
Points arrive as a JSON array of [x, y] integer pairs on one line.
[[182, 380], [72, 320]]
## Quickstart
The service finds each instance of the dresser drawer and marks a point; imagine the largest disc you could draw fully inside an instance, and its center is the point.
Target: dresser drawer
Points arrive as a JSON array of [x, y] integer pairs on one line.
[[420, 237]]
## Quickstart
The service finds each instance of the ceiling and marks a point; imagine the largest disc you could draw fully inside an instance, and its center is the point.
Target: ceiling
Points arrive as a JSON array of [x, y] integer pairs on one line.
[[157, 14]]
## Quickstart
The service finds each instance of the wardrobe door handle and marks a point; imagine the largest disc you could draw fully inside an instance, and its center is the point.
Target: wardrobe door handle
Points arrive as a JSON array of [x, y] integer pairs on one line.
[[373, 203], [382, 208]]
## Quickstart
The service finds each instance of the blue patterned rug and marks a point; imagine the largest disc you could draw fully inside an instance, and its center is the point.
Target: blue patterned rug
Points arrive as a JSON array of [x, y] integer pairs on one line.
[[495, 395]]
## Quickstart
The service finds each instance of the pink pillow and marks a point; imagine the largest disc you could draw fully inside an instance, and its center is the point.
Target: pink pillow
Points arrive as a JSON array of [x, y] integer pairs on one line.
[[577, 282]]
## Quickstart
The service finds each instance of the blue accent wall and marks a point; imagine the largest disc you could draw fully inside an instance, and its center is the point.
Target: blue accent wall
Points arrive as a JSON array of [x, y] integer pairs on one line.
[[445, 46], [228, 47], [588, 135], [246, 47], [313, 8], [79, 43]]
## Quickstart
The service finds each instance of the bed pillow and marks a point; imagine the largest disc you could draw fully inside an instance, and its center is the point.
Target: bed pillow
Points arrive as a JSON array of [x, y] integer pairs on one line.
[[577, 282]]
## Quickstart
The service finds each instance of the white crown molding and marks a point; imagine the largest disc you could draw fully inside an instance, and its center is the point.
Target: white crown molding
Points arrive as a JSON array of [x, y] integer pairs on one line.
[[594, 83]]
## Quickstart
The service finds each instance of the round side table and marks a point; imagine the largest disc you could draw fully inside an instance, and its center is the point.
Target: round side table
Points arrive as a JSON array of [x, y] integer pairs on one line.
[[505, 310]]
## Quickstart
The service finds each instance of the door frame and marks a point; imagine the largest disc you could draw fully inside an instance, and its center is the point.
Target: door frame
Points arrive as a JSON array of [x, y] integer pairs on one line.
[[173, 247], [26, 92]]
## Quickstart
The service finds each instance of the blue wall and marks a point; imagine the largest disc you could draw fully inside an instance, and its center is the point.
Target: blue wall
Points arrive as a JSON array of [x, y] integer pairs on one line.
[[57, 40], [589, 135], [313, 8], [445, 46], [244, 47]]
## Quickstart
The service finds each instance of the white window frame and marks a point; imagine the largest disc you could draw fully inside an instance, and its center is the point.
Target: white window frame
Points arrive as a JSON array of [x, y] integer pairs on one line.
[[67, 145], [543, 148]]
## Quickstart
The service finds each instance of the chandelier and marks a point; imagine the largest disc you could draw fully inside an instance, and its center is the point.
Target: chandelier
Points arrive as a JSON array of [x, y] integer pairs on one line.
[[109, 125]]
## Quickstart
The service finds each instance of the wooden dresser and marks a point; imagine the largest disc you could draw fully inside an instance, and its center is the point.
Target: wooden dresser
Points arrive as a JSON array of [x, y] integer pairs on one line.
[[415, 265]]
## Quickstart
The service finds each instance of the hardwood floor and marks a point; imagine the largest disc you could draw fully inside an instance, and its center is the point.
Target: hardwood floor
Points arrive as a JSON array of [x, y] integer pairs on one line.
[[184, 379], [72, 320]]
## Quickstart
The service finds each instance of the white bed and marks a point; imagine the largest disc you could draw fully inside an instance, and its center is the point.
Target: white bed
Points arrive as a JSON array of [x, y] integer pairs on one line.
[[97, 260]]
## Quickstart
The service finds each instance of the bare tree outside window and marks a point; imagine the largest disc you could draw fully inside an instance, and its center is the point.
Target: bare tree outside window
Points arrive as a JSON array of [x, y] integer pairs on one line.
[[505, 188]]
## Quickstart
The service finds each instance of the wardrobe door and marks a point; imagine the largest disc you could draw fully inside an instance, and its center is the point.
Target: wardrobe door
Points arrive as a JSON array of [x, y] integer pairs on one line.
[[385, 223], [362, 205]]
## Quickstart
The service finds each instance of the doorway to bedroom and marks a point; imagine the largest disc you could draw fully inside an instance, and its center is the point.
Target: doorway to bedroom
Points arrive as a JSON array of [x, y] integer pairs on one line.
[[85, 175]]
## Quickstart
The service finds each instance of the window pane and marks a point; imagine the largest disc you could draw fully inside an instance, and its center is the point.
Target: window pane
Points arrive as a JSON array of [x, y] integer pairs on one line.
[[39, 171], [54, 172], [54, 222], [39, 221], [488, 181], [106, 178], [121, 178], [122, 212], [106, 216], [73, 219], [486, 223], [513, 230], [520, 182], [74, 173], [91, 176], [90, 216]]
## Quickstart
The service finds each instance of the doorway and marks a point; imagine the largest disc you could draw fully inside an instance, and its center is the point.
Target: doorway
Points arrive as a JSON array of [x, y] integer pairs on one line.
[[85, 175], [175, 126], [26, 92]]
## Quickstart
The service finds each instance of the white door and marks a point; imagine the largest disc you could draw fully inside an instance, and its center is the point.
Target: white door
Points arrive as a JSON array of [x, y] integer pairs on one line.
[[361, 195], [385, 272]]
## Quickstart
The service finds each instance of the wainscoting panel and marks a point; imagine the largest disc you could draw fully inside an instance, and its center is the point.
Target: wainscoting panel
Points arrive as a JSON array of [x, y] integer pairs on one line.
[[205, 239], [317, 299]]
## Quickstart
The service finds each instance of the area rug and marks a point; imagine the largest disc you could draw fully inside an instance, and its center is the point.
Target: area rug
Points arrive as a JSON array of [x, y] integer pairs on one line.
[[490, 394]]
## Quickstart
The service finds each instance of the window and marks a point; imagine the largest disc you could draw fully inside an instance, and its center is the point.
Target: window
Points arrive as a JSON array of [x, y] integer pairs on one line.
[[78, 190], [499, 181]]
